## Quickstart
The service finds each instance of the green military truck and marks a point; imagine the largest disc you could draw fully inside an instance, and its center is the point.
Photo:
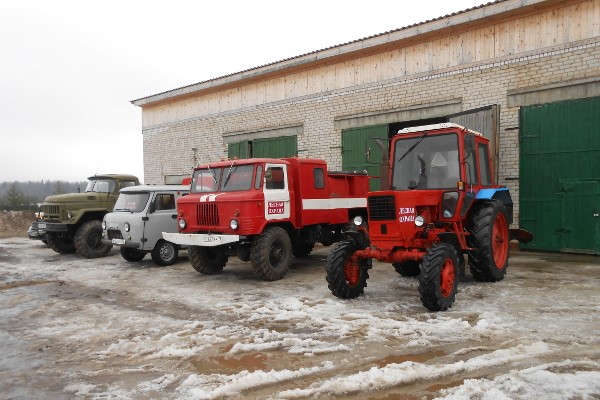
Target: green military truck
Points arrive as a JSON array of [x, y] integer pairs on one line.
[[73, 222]]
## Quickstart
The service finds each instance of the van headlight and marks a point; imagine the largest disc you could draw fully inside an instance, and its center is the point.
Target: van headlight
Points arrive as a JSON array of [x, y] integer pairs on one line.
[[126, 227], [234, 224]]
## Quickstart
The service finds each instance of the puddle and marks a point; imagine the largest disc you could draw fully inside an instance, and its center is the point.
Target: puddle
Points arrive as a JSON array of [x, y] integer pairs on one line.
[[415, 357], [231, 365]]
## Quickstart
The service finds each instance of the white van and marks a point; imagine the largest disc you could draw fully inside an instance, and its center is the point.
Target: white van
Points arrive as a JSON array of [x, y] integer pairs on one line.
[[140, 216]]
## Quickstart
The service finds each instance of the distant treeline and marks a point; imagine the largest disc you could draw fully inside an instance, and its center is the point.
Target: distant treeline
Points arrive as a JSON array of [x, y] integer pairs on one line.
[[27, 195]]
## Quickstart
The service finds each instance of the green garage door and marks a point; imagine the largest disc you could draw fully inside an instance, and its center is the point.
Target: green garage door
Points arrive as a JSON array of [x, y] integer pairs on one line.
[[560, 175], [278, 147], [356, 143]]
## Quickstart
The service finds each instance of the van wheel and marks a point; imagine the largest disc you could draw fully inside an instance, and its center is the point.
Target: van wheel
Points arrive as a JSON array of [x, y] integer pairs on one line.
[[271, 254], [207, 260], [132, 255], [88, 240], [164, 253], [60, 244]]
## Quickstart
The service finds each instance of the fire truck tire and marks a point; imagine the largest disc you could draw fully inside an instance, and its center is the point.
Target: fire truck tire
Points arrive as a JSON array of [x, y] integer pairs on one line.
[[88, 240], [345, 279], [489, 237], [271, 254], [302, 249], [61, 245], [207, 260], [407, 268], [438, 279], [132, 255], [164, 253]]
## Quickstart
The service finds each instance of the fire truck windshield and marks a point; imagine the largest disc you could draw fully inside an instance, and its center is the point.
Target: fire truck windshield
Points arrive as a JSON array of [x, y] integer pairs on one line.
[[230, 179], [426, 162]]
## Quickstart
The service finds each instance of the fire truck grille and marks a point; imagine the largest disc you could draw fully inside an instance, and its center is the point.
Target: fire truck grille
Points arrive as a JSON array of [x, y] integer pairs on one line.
[[382, 208], [114, 234], [207, 214], [50, 210]]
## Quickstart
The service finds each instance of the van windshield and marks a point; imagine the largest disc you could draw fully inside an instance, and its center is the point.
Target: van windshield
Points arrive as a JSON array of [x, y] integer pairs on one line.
[[132, 202]]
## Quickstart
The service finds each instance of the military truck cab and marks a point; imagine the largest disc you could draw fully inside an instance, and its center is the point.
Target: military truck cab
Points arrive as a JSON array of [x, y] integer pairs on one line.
[[139, 217]]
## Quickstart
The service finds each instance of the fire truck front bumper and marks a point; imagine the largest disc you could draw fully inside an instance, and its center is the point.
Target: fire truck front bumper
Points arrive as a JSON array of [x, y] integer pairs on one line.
[[200, 239]]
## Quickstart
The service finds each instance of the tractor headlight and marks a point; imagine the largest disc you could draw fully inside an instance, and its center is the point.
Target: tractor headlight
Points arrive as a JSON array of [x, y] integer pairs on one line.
[[69, 214], [234, 224], [419, 220], [358, 220], [103, 225], [182, 223], [449, 202], [126, 226]]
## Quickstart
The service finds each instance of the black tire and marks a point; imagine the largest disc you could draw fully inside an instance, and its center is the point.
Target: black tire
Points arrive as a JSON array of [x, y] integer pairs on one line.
[[164, 253], [207, 260], [132, 255], [489, 236], [302, 249], [438, 280], [271, 254], [88, 240], [60, 244], [407, 268], [338, 264]]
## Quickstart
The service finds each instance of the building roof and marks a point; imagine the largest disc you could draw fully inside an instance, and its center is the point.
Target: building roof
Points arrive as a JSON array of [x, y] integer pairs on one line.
[[365, 46]]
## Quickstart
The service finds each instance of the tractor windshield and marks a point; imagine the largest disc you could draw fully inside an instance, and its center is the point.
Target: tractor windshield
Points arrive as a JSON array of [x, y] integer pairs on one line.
[[426, 162]]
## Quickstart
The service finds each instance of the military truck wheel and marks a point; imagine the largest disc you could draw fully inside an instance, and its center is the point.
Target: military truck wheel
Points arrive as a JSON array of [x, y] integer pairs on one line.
[[132, 255], [346, 279], [207, 260], [439, 277], [271, 254], [407, 268], [164, 253], [88, 240], [489, 237], [302, 249], [60, 244]]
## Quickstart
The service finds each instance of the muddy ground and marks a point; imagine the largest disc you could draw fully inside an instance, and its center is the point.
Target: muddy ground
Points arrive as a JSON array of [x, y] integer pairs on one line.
[[105, 328]]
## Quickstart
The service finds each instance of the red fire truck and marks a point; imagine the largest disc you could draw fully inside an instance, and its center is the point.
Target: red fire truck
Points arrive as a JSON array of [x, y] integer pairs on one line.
[[265, 210]]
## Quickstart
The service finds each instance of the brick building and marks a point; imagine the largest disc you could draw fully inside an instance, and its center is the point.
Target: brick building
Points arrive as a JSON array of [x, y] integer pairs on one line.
[[511, 69]]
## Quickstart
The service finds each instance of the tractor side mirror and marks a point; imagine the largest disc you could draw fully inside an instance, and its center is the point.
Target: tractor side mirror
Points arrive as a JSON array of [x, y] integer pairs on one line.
[[469, 143]]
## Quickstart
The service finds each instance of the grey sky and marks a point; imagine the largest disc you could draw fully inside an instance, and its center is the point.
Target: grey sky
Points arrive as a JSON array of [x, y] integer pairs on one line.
[[69, 68]]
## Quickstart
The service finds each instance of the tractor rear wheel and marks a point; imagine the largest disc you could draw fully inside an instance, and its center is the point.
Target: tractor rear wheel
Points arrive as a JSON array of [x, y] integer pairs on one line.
[[132, 255], [271, 254], [207, 260], [88, 240], [489, 237], [439, 277], [407, 268], [60, 244], [346, 279]]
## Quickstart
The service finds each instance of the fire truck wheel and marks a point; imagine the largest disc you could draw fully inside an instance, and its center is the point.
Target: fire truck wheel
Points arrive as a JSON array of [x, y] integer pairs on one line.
[[88, 240], [302, 249], [61, 245], [207, 260], [439, 277], [164, 253], [489, 237], [407, 268], [271, 254], [346, 279], [132, 255]]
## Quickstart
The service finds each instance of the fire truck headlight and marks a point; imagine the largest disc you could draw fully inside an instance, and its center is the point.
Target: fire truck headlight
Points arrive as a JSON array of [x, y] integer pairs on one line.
[[234, 224], [419, 220], [126, 227], [358, 220], [182, 223]]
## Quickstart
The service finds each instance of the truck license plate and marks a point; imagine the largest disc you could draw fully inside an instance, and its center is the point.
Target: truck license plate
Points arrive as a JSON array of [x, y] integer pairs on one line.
[[118, 241], [41, 225]]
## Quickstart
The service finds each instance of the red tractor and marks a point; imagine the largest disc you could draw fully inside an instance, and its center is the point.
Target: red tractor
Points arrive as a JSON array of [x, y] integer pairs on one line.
[[265, 210], [441, 204]]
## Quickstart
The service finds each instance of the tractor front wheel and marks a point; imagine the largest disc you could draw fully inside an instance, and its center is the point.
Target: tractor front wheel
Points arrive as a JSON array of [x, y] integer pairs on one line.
[[489, 238], [346, 279], [271, 254], [439, 277], [207, 260]]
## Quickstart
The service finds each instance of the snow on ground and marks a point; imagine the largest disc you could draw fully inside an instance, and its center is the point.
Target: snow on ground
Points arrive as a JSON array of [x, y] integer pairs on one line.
[[105, 328]]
